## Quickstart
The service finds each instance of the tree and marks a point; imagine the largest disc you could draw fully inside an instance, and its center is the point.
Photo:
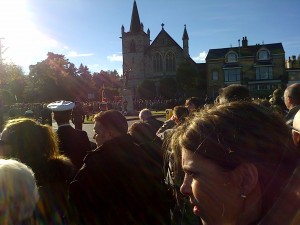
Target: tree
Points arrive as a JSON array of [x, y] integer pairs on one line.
[[186, 76], [168, 87], [147, 89], [11, 82], [52, 79]]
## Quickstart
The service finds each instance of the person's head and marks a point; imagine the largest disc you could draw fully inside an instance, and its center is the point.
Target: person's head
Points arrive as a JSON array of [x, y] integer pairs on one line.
[[141, 132], [180, 113], [292, 96], [145, 114], [194, 103], [296, 129], [19, 192], [235, 157], [233, 92], [108, 125], [30, 142], [62, 111]]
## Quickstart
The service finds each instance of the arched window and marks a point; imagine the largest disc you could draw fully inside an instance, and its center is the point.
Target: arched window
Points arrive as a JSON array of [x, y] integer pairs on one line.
[[157, 63], [132, 46], [263, 55], [232, 57], [170, 62]]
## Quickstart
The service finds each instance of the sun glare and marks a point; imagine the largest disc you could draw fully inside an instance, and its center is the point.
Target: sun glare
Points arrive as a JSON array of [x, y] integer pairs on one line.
[[22, 41]]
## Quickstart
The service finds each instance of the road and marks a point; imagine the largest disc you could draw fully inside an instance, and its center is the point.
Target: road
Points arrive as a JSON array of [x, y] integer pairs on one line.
[[89, 127]]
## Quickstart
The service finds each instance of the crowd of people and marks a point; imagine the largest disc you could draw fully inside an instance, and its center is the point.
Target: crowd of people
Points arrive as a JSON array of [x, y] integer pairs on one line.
[[231, 162]]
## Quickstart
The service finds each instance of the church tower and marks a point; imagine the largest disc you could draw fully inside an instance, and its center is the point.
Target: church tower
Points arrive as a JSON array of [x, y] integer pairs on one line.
[[185, 38], [134, 44]]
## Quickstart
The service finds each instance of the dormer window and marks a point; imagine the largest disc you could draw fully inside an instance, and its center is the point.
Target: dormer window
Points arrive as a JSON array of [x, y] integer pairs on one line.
[[232, 57], [263, 55]]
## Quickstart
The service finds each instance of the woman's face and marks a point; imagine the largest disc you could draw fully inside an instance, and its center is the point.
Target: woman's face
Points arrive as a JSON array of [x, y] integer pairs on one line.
[[214, 193]]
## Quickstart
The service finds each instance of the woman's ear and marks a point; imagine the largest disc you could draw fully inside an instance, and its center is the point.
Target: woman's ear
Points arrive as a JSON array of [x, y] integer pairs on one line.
[[249, 177], [245, 178]]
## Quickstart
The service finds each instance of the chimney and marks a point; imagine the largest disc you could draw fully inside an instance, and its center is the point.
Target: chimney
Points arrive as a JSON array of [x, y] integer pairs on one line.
[[244, 42]]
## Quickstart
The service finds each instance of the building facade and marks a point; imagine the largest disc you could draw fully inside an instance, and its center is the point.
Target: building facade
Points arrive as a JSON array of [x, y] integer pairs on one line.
[[260, 67], [293, 70], [143, 59]]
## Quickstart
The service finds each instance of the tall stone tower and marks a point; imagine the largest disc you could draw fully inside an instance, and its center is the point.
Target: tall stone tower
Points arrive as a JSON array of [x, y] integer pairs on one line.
[[134, 44]]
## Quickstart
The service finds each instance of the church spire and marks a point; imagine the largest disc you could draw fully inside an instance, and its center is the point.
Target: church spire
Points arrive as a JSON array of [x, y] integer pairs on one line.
[[185, 38], [135, 25], [185, 35]]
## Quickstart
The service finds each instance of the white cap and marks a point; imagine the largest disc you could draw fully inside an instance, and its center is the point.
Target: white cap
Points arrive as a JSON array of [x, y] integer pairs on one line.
[[61, 105]]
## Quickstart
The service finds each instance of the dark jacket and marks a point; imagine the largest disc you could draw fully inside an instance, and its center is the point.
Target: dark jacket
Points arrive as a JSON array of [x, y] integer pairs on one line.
[[118, 185], [74, 144], [291, 114], [53, 178], [154, 123]]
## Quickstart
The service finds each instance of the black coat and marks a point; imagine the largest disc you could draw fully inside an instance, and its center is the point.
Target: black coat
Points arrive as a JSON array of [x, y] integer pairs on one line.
[[119, 184], [74, 144], [52, 178]]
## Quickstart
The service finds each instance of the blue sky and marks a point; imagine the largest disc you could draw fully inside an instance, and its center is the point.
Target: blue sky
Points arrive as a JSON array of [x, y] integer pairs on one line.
[[88, 31]]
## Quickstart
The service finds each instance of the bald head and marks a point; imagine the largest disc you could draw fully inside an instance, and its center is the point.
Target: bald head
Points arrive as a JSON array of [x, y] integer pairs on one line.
[[292, 96], [296, 130]]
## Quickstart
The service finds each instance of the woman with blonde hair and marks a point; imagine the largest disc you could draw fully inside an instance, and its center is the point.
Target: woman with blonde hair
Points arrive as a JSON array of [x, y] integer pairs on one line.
[[36, 145]]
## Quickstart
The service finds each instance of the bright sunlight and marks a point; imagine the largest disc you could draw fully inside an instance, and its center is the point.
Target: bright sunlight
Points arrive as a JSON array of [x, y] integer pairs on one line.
[[22, 41]]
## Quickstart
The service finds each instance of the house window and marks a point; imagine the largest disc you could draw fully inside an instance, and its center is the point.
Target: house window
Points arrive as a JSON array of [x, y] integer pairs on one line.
[[132, 46], [170, 62], [264, 73], [215, 75], [157, 63], [232, 57], [232, 75], [263, 55]]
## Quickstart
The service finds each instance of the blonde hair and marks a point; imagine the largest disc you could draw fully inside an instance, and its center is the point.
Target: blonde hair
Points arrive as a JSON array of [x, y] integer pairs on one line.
[[19, 192], [31, 142]]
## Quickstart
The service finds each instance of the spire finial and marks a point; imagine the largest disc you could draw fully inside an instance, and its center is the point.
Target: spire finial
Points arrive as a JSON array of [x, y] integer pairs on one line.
[[162, 26]]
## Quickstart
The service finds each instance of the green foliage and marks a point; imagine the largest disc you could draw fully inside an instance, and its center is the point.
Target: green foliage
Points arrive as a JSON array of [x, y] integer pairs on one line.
[[11, 82], [186, 76], [147, 89], [52, 79], [168, 87]]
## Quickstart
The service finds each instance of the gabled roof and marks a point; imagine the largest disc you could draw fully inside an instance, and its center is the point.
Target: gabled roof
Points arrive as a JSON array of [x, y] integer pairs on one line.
[[275, 48], [161, 34], [135, 25]]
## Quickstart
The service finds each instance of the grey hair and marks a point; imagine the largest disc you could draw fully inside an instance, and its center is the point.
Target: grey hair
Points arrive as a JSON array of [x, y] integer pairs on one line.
[[18, 191], [145, 114]]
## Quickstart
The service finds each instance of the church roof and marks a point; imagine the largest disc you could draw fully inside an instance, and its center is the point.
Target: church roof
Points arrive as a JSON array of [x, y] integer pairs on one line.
[[251, 50], [135, 25], [164, 35]]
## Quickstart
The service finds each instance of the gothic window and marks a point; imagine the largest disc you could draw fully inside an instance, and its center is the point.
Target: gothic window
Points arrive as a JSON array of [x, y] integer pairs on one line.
[[232, 75], [170, 62], [157, 63], [132, 46]]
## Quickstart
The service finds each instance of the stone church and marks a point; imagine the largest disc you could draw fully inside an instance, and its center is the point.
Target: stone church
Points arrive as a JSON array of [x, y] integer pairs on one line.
[[143, 59]]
